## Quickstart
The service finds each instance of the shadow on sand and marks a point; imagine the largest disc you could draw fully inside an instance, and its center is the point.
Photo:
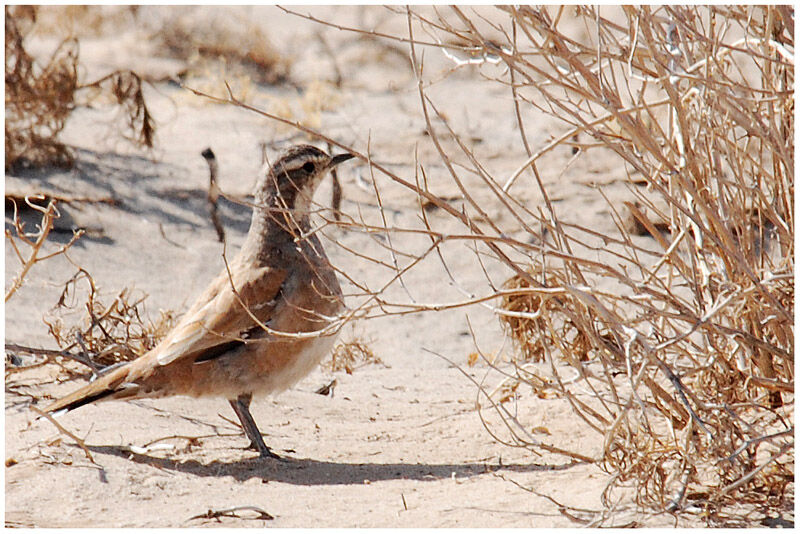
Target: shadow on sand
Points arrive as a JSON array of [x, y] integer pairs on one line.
[[309, 472]]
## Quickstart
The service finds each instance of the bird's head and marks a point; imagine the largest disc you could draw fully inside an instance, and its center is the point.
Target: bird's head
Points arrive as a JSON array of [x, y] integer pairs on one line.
[[291, 181]]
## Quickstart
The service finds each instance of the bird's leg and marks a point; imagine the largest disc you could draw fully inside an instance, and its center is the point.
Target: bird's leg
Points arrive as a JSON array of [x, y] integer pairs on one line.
[[242, 408]]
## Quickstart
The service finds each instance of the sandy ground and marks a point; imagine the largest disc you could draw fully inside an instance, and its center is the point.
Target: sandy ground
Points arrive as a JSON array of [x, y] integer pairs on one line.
[[398, 443]]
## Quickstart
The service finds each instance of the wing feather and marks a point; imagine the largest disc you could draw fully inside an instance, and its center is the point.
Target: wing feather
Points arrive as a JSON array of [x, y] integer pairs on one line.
[[218, 316]]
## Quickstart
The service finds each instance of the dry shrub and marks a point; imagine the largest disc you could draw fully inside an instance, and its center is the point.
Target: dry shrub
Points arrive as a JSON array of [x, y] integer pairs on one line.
[[305, 109], [319, 96], [39, 99], [683, 340], [349, 355], [107, 333], [200, 40], [102, 335], [81, 21], [526, 315], [692, 355], [126, 88]]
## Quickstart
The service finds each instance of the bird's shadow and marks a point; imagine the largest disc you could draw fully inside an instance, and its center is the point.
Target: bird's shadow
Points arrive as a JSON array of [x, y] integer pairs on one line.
[[310, 472]]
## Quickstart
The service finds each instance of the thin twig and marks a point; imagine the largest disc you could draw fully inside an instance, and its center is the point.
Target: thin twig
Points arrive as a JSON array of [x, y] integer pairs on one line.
[[231, 512], [66, 432]]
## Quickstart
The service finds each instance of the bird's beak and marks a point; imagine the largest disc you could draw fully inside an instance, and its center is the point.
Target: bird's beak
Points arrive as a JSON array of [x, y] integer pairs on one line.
[[340, 158]]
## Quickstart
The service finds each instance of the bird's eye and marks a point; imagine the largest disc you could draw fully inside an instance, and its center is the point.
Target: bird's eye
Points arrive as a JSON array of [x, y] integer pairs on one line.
[[308, 167]]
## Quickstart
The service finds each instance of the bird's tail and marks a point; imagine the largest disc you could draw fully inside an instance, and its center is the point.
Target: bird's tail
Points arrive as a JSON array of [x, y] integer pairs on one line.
[[115, 384]]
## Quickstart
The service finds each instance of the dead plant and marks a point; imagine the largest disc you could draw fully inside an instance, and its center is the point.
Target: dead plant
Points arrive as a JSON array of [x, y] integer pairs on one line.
[[241, 44], [349, 355], [108, 332], [682, 336], [689, 363], [39, 99], [105, 333], [20, 239]]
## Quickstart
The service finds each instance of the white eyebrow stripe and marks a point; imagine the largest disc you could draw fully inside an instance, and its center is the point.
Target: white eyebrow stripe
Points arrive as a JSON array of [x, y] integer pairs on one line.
[[298, 160]]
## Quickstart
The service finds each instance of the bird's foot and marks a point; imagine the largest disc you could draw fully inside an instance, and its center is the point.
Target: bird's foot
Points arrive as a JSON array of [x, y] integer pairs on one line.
[[264, 451]]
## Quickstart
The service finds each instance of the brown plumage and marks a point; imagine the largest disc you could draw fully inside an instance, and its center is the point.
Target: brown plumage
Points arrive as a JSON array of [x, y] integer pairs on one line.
[[283, 281]]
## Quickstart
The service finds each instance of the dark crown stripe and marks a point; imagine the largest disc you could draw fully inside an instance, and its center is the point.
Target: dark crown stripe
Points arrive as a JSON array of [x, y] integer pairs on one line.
[[297, 156]]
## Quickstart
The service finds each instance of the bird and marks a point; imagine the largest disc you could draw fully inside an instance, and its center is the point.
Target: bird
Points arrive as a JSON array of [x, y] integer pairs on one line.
[[264, 336]]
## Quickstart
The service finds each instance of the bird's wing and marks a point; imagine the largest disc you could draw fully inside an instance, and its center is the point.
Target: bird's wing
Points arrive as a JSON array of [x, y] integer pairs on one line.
[[212, 324], [218, 316]]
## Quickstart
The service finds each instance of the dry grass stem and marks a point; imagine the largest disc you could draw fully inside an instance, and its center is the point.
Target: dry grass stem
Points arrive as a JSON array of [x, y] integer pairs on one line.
[[66, 432]]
